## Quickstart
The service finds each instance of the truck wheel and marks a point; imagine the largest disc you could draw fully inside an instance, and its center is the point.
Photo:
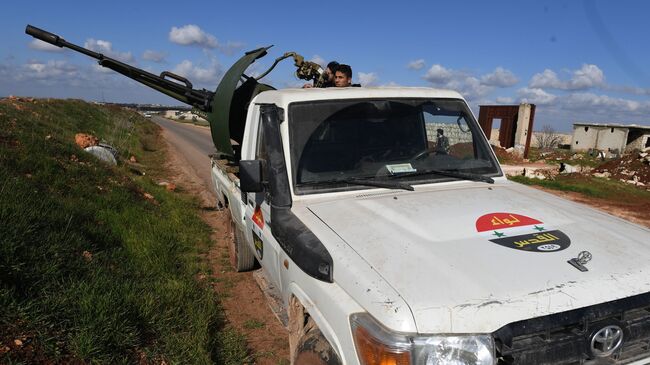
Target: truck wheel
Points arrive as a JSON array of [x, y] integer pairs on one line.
[[241, 256], [314, 349]]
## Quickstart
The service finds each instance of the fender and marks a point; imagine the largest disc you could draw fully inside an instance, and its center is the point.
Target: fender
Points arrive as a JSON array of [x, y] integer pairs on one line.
[[318, 317]]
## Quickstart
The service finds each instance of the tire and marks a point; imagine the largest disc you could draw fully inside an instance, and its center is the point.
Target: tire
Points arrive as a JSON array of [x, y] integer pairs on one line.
[[241, 256], [314, 349]]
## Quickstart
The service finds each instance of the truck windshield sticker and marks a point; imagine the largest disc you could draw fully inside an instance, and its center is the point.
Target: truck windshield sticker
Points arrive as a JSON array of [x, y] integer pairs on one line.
[[258, 218], [259, 245], [521, 233], [400, 168]]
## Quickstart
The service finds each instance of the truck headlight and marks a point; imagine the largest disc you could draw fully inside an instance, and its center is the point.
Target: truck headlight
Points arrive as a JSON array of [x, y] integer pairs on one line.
[[377, 345]]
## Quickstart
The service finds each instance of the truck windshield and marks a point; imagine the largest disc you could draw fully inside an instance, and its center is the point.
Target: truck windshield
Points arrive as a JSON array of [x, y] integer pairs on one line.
[[392, 140]]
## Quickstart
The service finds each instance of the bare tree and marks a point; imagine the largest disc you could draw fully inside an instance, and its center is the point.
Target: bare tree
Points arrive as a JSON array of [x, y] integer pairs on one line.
[[547, 138]]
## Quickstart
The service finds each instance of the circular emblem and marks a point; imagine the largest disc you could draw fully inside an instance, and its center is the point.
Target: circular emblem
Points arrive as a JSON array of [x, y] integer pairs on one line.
[[606, 341], [549, 247]]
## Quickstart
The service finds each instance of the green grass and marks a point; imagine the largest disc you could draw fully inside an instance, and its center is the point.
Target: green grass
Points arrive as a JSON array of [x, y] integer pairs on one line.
[[590, 186], [91, 270], [250, 324], [195, 122]]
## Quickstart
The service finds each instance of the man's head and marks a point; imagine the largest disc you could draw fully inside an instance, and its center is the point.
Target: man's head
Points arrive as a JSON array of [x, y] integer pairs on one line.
[[343, 76], [330, 70], [440, 132]]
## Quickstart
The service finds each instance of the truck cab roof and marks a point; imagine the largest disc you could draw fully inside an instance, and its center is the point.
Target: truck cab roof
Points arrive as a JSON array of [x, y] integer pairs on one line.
[[284, 97]]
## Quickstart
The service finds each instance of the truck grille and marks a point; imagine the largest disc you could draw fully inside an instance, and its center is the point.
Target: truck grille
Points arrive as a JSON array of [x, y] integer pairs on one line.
[[566, 338]]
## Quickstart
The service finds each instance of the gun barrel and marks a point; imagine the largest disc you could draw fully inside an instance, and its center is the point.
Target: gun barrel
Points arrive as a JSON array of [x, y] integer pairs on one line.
[[200, 99], [43, 35]]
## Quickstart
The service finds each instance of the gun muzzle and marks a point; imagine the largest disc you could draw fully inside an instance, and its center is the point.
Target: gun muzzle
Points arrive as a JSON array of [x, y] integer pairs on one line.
[[45, 36]]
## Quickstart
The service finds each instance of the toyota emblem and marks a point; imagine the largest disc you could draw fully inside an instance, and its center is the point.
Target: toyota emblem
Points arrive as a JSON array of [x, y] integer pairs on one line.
[[606, 341]]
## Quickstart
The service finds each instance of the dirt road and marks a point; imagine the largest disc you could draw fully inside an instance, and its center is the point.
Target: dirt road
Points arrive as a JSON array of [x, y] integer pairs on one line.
[[243, 302]]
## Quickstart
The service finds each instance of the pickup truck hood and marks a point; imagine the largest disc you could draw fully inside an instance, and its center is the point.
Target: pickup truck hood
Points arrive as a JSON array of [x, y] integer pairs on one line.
[[497, 253]]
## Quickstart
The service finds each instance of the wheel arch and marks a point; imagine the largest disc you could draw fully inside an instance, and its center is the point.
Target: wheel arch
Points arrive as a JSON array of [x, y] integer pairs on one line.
[[297, 296]]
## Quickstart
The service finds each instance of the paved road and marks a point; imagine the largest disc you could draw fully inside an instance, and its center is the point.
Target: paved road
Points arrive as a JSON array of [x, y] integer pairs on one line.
[[194, 143]]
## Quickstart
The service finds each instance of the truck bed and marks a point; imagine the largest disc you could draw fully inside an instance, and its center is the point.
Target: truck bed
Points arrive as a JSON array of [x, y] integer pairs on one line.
[[225, 178]]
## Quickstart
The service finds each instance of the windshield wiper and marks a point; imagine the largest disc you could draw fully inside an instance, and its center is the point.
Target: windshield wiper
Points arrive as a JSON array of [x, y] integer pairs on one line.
[[364, 182], [448, 173]]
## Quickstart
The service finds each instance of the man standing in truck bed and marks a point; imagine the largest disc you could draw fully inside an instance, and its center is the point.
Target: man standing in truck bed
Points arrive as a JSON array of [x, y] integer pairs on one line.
[[343, 76]]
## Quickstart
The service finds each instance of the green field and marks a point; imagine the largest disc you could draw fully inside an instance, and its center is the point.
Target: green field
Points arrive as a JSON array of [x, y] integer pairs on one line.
[[91, 269], [596, 187]]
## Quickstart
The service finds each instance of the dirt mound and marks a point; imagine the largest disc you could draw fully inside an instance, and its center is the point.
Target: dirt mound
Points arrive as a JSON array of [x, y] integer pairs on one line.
[[84, 140], [632, 168], [506, 157]]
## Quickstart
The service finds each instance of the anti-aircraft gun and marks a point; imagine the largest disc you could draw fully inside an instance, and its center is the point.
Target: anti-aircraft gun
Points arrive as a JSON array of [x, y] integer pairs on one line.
[[225, 108]]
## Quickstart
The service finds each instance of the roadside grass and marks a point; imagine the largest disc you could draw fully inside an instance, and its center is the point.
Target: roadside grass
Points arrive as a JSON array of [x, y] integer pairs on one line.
[[591, 186], [250, 324], [91, 268], [198, 122]]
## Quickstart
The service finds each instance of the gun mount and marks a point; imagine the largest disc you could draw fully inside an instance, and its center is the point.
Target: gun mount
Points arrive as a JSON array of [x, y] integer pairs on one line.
[[225, 109]]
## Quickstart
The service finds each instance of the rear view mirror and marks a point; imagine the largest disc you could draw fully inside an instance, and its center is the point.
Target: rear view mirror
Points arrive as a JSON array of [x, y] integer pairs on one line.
[[250, 176]]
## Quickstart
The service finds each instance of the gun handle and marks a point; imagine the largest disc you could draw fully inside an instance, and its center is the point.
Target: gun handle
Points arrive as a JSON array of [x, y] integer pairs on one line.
[[176, 77]]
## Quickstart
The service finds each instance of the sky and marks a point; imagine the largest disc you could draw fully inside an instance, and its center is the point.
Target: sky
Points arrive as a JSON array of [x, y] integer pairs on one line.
[[577, 60]]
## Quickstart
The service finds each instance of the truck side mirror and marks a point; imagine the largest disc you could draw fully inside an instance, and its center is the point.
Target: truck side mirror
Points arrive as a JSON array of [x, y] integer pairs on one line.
[[250, 176]]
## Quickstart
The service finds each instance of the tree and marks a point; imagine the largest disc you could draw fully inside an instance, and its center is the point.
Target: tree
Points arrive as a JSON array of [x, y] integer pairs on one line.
[[547, 138]]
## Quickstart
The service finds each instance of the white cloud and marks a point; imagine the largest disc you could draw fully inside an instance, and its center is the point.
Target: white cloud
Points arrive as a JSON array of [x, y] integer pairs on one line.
[[38, 70], [629, 89], [500, 77], [441, 76], [106, 48], [230, 47], [195, 73], [416, 65], [535, 96], [470, 86], [153, 56], [191, 34], [547, 78], [505, 100], [39, 45], [368, 79], [588, 76], [319, 60], [592, 101], [438, 75]]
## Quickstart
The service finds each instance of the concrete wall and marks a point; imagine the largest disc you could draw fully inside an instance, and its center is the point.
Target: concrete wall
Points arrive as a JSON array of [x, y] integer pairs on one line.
[[494, 137], [598, 137], [523, 120], [453, 133], [565, 138], [584, 138], [612, 139]]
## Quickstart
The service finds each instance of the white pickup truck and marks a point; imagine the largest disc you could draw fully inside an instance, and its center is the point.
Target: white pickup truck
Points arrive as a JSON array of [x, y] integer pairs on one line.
[[385, 225], [387, 231]]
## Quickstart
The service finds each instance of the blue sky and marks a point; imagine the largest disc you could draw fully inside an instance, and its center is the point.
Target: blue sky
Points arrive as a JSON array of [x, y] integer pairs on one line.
[[577, 60]]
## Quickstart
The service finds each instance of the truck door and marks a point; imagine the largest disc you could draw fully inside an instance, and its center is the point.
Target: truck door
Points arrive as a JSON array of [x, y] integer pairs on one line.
[[258, 213]]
